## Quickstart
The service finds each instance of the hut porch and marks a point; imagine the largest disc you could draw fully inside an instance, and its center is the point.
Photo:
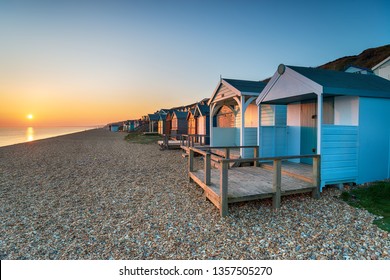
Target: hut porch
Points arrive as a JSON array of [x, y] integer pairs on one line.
[[225, 185]]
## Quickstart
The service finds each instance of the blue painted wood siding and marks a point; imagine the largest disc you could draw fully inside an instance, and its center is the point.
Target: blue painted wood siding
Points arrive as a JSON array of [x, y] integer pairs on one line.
[[374, 139], [339, 154], [250, 140], [225, 136], [273, 141], [280, 115]]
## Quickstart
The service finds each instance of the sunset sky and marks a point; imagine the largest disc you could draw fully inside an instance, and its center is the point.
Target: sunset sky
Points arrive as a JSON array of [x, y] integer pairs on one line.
[[94, 62]]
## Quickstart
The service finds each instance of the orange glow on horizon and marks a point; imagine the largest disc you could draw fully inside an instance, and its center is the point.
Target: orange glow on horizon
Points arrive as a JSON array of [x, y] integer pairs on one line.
[[51, 106]]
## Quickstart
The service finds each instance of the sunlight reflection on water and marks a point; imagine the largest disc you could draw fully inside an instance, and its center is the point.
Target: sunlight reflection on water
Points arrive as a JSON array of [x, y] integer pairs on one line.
[[30, 134]]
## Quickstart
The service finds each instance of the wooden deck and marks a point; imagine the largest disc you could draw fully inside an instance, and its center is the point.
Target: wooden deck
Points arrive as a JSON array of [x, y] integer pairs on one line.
[[251, 183], [170, 144], [226, 185], [298, 170]]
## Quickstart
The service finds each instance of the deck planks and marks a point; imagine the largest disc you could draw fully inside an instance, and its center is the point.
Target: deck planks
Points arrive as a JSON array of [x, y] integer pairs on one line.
[[248, 183], [298, 170]]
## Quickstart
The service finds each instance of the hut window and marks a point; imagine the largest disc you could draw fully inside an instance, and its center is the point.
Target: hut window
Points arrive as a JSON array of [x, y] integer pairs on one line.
[[267, 115], [346, 110], [225, 117], [328, 111]]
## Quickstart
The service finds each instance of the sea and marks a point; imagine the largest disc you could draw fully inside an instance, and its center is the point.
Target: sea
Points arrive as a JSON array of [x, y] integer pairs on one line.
[[16, 135]]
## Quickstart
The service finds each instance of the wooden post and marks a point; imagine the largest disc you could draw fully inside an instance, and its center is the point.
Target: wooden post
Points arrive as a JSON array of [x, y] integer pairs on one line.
[[227, 153], [256, 155], [166, 141], [277, 182], [316, 177], [190, 164], [223, 188], [207, 169]]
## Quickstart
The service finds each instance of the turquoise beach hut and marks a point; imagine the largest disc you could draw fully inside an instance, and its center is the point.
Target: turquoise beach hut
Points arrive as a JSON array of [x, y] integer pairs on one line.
[[114, 127], [343, 117]]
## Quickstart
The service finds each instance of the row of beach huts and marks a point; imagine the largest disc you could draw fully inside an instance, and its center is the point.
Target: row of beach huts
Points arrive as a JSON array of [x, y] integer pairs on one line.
[[300, 131]]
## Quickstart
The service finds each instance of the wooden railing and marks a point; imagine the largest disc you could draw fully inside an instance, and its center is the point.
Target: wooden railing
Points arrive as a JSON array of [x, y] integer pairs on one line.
[[224, 169], [189, 140], [227, 151]]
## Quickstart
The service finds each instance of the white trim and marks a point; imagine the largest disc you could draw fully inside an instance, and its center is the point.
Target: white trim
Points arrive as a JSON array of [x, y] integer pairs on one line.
[[249, 101], [319, 122], [267, 88], [380, 63], [223, 82], [259, 129], [289, 74], [242, 128]]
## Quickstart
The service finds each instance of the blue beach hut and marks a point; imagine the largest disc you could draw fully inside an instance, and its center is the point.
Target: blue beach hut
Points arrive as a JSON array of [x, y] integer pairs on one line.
[[114, 127], [343, 117], [237, 118], [153, 122]]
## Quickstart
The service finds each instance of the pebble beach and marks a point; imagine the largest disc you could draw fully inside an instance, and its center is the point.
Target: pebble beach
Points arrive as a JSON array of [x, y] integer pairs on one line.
[[93, 195]]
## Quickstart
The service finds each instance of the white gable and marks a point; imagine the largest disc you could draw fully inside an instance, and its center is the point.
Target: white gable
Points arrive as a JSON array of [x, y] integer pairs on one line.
[[288, 85]]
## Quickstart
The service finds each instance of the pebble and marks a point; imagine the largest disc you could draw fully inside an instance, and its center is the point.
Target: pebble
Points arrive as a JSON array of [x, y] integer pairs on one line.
[[92, 195]]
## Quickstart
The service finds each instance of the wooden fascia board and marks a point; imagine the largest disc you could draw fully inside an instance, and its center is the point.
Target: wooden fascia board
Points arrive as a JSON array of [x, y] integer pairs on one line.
[[214, 93], [232, 88], [380, 63], [189, 115], [235, 91], [197, 110], [267, 88]]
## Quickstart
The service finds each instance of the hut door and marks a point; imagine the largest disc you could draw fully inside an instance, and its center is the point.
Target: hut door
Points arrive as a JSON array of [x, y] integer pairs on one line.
[[308, 130]]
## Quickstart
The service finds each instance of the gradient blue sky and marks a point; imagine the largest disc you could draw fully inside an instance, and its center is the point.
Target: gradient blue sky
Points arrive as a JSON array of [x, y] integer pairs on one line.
[[93, 62]]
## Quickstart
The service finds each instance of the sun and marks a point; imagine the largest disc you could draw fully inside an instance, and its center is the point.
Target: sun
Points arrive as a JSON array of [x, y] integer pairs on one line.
[[30, 116]]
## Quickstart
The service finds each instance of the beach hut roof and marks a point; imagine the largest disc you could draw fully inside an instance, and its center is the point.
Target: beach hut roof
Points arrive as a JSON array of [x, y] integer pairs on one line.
[[246, 86], [295, 83], [337, 82], [203, 110], [189, 113], [239, 87], [153, 117], [162, 117], [180, 115]]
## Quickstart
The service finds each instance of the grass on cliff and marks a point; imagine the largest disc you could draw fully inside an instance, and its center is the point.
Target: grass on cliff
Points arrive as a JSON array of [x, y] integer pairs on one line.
[[375, 198], [140, 138]]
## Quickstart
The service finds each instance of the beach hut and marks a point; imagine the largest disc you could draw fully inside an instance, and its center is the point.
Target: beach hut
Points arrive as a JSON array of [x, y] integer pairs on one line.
[[232, 127], [168, 122], [343, 117], [179, 123], [162, 126], [192, 122], [202, 114], [114, 127], [129, 125], [382, 69], [153, 122]]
